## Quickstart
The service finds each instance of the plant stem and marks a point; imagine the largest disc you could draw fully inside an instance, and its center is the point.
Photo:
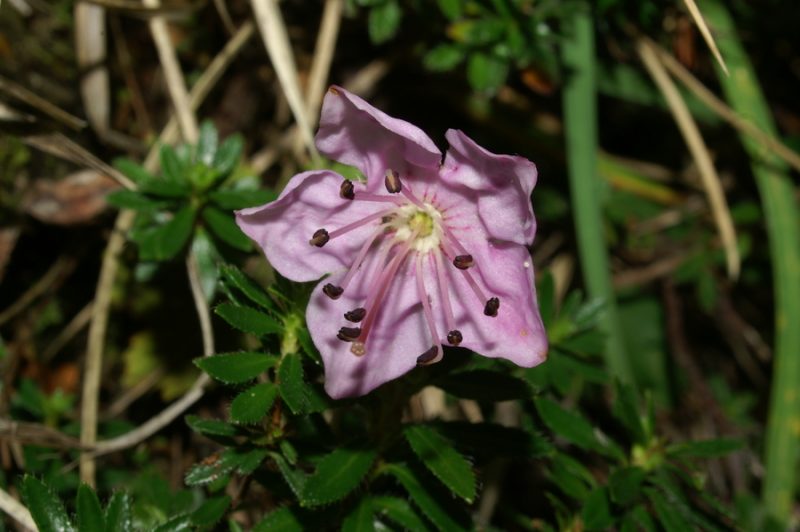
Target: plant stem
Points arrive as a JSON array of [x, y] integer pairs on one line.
[[580, 117], [783, 229]]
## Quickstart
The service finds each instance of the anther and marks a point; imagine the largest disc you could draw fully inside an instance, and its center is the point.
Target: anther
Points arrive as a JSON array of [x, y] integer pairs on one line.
[[320, 238], [454, 337], [355, 315], [463, 262], [491, 307], [346, 190], [333, 291], [392, 182], [427, 357], [349, 334]]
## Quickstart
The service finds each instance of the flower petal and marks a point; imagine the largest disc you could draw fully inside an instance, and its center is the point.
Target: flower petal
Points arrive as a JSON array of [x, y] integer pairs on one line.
[[353, 132], [398, 337], [309, 202], [503, 184]]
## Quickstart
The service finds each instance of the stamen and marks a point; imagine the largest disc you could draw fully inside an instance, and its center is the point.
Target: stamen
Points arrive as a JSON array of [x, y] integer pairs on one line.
[[362, 253], [392, 182], [346, 190], [463, 262], [332, 291], [427, 357], [470, 281], [319, 238], [355, 315], [491, 307], [454, 337], [444, 288], [349, 334], [365, 196], [450, 236], [412, 198], [358, 223]]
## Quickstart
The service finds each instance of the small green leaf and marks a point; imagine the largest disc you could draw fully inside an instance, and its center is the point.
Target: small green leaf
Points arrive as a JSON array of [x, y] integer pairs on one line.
[[172, 169], [89, 513], [596, 512], [241, 198], [280, 520], [484, 385], [451, 8], [486, 73], [165, 189], [128, 199], [207, 143], [252, 404], [164, 242], [132, 170], [705, 448], [210, 512], [211, 427], [442, 460], [228, 155], [435, 508], [401, 512], [571, 476], [443, 58], [566, 424], [234, 277], [225, 228], [360, 519], [232, 368], [337, 475], [118, 513], [248, 320], [300, 397], [670, 519], [625, 484], [626, 410], [46, 509], [295, 479], [221, 464], [179, 523], [384, 21], [491, 439]]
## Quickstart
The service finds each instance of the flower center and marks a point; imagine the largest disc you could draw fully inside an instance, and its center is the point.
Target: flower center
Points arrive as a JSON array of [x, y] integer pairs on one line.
[[424, 224]]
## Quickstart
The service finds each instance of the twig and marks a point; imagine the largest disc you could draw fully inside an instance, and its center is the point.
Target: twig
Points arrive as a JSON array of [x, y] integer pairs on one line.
[[16, 510], [703, 27], [40, 287], [78, 322], [323, 56], [273, 31], [34, 100], [132, 394], [694, 141]]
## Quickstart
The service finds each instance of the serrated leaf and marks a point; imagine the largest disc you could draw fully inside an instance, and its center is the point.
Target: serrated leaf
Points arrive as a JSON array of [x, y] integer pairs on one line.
[[179, 523], [401, 512], [241, 198], [484, 385], [292, 386], [360, 519], [384, 21], [252, 404], [207, 143], [568, 425], [132, 170], [164, 242], [442, 460], [250, 461], [571, 476], [443, 58], [223, 463], [337, 474], [228, 154], [433, 507], [705, 448], [225, 228], [232, 368], [248, 320], [129, 199], [46, 509], [211, 511], [89, 513], [234, 277], [596, 512], [668, 518], [295, 479], [172, 168], [211, 427], [281, 520], [118, 513], [491, 439]]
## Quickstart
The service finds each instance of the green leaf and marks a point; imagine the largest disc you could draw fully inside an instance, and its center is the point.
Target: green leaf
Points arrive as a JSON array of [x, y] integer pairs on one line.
[[118, 513], [128, 199], [46, 509], [234, 277], [399, 511], [295, 479], [337, 475], [281, 520], [89, 513], [491, 439], [224, 227], [384, 21], [566, 424], [211, 511], [451, 8], [164, 242], [179, 523], [442, 460], [166, 189], [217, 465], [207, 143], [293, 388], [241, 198], [228, 154], [132, 170], [207, 259], [705, 448], [626, 409], [211, 427], [248, 320], [443, 58], [625, 484], [571, 476], [670, 519], [486, 73], [232, 368], [596, 512], [484, 385], [172, 169], [252, 404], [360, 519], [435, 508]]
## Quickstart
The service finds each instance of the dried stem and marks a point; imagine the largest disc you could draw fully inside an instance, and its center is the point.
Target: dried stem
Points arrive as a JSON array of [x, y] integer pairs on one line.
[[40, 287], [16, 510]]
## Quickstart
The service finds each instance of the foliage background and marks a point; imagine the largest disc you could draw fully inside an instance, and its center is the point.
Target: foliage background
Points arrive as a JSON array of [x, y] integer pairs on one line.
[[137, 322]]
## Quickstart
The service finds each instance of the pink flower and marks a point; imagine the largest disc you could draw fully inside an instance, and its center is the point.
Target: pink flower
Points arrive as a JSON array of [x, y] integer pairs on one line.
[[424, 253]]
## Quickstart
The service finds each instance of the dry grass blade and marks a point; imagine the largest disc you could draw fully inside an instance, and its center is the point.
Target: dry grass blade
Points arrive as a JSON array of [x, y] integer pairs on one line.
[[137, 6], [37, 102], [15, 509], [273, 31], [90, 48], [694, 141], [706, 33]]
